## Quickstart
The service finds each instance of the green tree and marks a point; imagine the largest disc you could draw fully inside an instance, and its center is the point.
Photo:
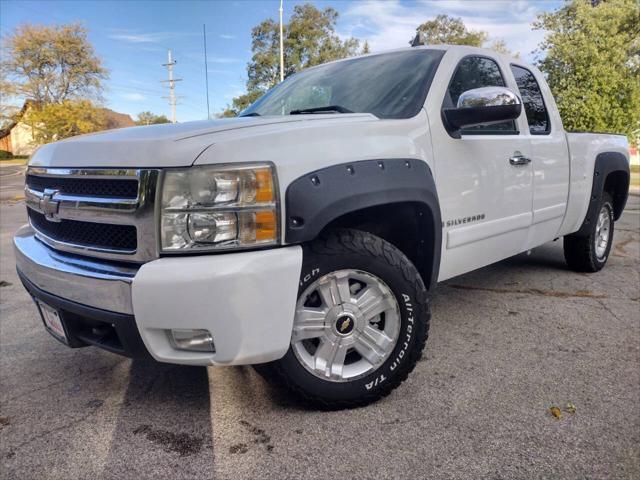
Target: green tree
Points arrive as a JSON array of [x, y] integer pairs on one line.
[[56, 121], [309, 39], [240, 103], [444, 29], [451, 31], [50, 64], [150, 118], [591, 57], [500, 46]]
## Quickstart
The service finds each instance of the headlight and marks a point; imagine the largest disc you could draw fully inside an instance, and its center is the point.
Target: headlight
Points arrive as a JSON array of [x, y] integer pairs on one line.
[[213, 207]]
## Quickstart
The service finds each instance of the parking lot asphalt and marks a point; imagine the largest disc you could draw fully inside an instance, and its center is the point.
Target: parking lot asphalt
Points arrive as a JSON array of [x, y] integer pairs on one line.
[[507, 342]]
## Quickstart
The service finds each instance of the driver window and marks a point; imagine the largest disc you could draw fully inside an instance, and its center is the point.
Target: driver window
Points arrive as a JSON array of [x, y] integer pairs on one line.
[[477, 72]]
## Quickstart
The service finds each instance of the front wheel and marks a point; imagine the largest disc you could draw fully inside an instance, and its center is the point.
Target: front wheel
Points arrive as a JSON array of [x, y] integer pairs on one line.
[[589, 253], [361, 322]]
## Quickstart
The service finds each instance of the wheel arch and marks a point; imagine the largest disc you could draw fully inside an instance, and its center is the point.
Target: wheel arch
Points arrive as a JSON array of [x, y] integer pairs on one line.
[[610, 174], [395, 199]]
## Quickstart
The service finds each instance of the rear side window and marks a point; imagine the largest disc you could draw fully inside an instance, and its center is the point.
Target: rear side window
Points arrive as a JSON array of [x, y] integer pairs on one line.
[[532, 100], [477, 72]]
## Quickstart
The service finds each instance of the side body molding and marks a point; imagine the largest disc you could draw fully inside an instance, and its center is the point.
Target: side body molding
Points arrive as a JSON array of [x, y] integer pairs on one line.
[[316, 199], [606, 163]]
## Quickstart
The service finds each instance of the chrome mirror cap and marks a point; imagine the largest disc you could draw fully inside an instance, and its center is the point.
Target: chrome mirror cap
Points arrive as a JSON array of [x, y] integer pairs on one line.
[[487, 97], [481, 106]]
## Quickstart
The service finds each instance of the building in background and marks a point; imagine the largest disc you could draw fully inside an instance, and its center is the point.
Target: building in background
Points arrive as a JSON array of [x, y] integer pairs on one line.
[[17, 137]]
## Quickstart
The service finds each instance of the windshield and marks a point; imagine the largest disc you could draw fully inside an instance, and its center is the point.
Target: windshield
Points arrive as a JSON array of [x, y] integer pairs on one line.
[[390, 85]]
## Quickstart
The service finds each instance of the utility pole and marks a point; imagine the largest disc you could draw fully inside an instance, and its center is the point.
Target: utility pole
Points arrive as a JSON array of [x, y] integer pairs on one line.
[[172, 85], [281, 46]]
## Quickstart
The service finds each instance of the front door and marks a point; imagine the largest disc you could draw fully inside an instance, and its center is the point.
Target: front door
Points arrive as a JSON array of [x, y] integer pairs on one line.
[[484, 179]]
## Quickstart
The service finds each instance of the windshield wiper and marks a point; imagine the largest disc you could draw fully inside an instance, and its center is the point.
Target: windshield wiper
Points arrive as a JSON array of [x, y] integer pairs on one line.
[[329, 108], [252, 114]]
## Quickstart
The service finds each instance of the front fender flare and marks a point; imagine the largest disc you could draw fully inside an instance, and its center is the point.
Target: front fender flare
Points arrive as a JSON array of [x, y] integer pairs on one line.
[[314, 200]]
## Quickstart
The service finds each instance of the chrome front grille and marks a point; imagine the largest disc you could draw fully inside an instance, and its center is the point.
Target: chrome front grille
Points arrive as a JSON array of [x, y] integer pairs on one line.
[[94, 212], [97, 235]]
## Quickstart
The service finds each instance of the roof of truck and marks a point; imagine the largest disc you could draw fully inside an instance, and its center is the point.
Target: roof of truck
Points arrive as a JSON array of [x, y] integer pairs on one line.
[[463, 48]]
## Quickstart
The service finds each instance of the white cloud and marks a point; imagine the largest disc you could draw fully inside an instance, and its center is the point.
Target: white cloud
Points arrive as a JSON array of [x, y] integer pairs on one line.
[[219, 71], [223, 60], [134, 97], [132, 36], [198, 57], [224, 36], [391, 24], [139, 37]]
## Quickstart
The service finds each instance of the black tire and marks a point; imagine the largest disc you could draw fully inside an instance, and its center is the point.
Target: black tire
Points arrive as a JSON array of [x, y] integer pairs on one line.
[[580, 251], [353, 249]]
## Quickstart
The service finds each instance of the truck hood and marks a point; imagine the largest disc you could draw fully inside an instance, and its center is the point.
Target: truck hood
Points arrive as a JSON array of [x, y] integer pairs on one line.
[[169, 145]]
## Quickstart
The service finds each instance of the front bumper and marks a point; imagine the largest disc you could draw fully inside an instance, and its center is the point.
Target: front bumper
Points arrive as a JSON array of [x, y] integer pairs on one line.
[[246, 299]]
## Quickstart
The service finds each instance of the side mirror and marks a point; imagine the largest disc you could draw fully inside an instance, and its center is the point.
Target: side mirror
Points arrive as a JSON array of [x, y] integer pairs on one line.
[[482, 106]]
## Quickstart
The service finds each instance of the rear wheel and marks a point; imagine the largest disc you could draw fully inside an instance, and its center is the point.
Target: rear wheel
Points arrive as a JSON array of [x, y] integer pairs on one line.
[[361, 322], [589, 253]]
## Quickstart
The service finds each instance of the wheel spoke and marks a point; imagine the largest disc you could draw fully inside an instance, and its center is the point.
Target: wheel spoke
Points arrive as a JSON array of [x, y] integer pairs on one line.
[[335, 291], [373, 344], [372, 302], [329, 358], [309, 323]]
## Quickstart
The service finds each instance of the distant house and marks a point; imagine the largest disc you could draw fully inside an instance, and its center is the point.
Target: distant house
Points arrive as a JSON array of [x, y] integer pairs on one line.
[[17, 137]]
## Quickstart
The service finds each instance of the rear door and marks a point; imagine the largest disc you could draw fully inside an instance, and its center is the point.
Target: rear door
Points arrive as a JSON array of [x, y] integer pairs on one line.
[[549, 155], [485, 200]]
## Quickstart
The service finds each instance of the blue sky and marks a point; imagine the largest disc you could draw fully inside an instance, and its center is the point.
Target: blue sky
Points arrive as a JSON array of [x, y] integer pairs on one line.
[[132, 37]]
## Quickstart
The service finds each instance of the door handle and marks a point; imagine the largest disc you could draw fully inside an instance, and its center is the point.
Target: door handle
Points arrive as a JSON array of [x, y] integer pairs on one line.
[[519, 159]]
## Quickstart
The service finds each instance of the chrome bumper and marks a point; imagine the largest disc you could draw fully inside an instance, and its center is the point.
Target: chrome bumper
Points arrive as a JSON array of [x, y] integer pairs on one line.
[[89, 282]]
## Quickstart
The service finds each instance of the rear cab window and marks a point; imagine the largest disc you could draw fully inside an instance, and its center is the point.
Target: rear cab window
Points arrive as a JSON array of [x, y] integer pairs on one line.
[[532, 100]]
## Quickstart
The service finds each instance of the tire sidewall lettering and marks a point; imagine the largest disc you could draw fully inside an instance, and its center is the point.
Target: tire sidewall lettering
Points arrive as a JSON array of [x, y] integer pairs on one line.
[[306, 278], [405, 339]]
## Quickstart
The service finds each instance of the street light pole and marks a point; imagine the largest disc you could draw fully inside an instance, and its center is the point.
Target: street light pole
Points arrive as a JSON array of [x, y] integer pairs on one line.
[[281, 46]]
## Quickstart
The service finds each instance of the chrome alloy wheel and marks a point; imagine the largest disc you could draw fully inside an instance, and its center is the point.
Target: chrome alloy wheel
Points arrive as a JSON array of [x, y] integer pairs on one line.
[[346, 325], [603, 231]]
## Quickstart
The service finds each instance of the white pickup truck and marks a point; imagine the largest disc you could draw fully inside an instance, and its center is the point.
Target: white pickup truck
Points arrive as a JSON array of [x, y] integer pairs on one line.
[[305, 236]]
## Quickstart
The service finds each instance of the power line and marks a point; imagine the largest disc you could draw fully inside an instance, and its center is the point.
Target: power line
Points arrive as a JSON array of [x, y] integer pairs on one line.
[[172, 85], [206, 69]]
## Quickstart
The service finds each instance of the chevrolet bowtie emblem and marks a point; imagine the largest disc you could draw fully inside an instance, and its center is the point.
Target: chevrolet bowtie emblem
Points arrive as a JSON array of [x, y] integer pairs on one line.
[[49, 206], [345, 324]]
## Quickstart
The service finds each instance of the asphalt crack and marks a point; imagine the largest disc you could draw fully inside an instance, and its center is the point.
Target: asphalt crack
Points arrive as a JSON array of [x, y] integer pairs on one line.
[[618, 248], [531, 291]]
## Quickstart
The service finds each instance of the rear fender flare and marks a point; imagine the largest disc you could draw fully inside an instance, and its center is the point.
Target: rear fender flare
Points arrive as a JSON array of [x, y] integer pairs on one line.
[[606, 163]]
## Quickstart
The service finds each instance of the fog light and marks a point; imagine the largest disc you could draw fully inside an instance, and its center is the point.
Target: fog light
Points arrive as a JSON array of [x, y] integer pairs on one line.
[[193, 340]]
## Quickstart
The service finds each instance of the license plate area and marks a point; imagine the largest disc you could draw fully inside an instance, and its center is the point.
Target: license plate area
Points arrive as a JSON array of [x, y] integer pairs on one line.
[[53, 322]]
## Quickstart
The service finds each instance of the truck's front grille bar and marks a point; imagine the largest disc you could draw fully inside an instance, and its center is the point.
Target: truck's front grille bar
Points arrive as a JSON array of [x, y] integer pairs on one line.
[[94, 212], [111, 188]]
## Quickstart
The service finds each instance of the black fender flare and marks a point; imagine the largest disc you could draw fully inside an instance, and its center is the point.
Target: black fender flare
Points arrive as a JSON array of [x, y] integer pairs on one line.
[[606, 163], [314, 200]]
